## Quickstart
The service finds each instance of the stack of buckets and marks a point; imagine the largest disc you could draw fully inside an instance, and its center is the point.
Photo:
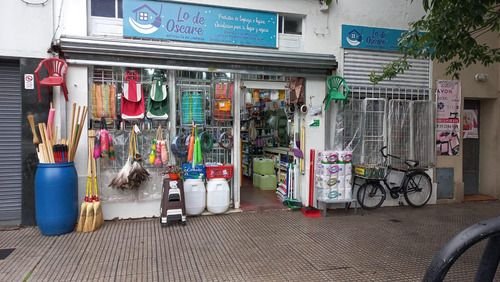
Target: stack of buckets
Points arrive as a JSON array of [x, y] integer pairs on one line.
[[263, 174], [215, 198], [333, 175]]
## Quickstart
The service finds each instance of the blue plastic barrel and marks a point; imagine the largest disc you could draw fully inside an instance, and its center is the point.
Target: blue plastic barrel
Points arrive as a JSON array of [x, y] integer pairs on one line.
[[56, 198]]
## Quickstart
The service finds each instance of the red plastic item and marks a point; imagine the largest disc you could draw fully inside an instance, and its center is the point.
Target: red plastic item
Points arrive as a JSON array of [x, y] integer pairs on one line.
[[56, 68], [223, 171]]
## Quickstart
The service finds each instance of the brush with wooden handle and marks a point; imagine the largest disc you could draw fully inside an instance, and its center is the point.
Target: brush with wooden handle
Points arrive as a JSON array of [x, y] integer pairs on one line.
[[31, 119]]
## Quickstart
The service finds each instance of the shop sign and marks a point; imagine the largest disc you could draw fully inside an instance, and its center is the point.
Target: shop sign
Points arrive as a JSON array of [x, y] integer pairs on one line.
[[469, 127], [448, 97], [197, 23], [362, 37]]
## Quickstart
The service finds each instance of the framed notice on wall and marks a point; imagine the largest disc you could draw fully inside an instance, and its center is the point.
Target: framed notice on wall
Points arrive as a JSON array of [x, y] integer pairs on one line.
[[448, 96]]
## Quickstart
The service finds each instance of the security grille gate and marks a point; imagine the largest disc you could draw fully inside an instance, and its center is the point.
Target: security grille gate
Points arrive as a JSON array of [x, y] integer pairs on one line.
[[10, 143]]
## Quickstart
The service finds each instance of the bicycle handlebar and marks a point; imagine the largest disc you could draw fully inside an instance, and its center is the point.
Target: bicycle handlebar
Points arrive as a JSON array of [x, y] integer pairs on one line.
[[385, 155]]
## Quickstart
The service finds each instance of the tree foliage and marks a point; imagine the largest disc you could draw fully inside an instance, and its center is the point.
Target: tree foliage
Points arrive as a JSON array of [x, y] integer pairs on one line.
[[448, 33]]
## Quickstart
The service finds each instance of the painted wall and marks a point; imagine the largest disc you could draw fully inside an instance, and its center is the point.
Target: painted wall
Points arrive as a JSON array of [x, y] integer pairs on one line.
[[487, 92], [26, 29]]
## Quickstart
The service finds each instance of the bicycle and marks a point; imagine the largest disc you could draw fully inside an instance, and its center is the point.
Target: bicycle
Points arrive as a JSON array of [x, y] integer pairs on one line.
[[416, 186]]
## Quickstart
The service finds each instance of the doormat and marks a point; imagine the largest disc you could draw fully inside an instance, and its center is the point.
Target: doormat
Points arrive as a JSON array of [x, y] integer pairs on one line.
[[4, 253]]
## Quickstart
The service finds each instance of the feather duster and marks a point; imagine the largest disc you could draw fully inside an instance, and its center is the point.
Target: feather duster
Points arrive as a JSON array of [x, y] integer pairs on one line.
[[159, 148], [97, 145], [111, 148], [121, 179], [164, 152], [137, 173]]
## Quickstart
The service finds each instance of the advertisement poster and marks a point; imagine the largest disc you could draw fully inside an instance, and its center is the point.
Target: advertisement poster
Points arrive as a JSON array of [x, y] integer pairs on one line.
[[448, 96], [469, 127], [199, 23]]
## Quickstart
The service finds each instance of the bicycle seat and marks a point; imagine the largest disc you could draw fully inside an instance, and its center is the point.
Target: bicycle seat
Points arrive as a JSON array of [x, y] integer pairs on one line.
[[412, 163]]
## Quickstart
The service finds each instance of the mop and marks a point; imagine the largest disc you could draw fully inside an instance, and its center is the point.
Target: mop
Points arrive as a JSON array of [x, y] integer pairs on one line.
[[292, 202]]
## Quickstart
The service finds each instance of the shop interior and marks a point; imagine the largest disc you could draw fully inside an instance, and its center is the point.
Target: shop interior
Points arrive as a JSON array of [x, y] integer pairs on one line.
[[266, 133]]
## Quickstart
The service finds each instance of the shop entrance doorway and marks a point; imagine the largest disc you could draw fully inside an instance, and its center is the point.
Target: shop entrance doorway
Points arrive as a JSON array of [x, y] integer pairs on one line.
[[264, 129], [470, 149]]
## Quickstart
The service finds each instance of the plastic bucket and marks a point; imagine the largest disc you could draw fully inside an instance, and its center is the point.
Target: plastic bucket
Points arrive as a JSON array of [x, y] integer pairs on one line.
[[194, 196], [56, 198], [217, 195]]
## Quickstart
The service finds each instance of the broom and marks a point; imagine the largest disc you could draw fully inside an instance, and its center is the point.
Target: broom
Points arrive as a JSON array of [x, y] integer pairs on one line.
[[98, 216], [83, 209], [89, 222]]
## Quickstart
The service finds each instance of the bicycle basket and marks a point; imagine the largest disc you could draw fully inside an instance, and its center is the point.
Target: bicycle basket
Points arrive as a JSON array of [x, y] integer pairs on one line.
[[369, 171]]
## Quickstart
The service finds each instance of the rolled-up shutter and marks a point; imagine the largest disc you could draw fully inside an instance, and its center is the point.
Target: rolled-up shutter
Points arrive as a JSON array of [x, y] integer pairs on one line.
[[10, 143], [358, 64]]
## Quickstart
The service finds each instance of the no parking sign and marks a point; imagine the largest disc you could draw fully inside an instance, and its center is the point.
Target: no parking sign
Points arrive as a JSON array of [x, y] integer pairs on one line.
[[29, 81]]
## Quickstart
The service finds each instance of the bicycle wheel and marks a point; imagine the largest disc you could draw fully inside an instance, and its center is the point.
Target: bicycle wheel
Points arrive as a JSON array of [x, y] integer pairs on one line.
[[371, 195], [418, 189]]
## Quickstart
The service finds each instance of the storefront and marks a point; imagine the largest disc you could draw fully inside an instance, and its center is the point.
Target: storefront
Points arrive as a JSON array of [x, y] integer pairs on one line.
[[206, 83]]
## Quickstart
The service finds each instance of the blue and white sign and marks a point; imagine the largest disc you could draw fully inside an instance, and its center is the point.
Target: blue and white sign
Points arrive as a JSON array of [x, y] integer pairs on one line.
[[363, 37], [196, 23]]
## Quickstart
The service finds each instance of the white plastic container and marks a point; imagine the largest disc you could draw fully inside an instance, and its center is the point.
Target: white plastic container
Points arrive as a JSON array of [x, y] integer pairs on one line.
[[217, 195], [194, 196]]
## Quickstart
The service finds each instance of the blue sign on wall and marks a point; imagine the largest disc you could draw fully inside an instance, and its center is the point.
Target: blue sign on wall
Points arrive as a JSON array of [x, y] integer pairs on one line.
[[187, 22], [370, 37]]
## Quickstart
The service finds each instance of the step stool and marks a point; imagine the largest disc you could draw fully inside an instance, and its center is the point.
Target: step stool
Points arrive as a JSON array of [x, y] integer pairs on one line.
[[172, 206]]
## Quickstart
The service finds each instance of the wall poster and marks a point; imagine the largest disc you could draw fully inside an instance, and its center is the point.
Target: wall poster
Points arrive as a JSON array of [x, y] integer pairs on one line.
[[448, 96], [470, 127]]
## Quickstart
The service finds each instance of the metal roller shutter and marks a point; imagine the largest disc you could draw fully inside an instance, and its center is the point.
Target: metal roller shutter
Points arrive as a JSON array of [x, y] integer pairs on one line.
[[358, 64], [10, 143]]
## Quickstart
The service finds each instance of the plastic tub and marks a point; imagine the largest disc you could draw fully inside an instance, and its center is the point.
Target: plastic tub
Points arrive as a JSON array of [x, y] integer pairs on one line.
[[56, 198], [194, 196], [217, 195]]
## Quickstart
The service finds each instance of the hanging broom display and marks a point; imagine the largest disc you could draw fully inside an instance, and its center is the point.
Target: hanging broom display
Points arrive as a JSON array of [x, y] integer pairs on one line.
[[98, 216]]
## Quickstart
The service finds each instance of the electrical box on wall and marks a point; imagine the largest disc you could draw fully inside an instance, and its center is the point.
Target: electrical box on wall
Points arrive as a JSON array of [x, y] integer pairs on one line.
[[445, 182]]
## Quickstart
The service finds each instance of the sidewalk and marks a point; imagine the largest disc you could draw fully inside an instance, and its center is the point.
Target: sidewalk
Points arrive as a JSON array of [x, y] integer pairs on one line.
[[389, 244]]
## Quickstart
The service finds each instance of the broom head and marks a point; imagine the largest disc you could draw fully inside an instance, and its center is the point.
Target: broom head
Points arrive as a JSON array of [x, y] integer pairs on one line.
[[83, 217], [97, 216], [89, 221]]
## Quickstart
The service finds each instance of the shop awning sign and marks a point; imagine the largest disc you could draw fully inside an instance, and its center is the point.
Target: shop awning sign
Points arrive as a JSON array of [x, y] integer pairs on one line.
[[363, 37], [197, 23]]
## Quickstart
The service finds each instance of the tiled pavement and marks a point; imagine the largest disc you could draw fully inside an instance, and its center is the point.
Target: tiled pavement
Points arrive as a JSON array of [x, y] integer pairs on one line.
[[389, 244]]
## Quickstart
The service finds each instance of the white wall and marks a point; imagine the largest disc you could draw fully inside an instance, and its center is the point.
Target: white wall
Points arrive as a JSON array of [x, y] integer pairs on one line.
[[26, 29]]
